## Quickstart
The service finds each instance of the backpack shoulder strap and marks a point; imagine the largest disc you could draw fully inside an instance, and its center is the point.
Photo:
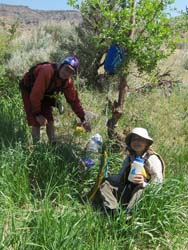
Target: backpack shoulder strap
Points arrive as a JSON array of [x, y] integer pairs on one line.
[[51, 86], [31, 77], [152, 152], [125, 175], [31, 70]]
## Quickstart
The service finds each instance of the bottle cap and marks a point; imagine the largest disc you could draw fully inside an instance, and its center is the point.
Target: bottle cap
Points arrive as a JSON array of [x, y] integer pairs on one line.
[[97, 138], [139, 159]]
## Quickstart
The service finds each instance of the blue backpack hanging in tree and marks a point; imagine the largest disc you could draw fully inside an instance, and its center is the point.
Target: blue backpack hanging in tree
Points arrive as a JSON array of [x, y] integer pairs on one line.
[[114, 58]]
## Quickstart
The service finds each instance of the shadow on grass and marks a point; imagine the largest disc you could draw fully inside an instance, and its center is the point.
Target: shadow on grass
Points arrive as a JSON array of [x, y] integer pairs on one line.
[[12, 129], [54, 171]]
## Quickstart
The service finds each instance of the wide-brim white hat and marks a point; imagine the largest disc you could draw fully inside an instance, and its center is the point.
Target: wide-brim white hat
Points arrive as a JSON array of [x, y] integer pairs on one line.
[[142, 132]]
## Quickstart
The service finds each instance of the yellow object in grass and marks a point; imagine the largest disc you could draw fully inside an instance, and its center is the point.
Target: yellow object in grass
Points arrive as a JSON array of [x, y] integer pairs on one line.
[[80, 129]]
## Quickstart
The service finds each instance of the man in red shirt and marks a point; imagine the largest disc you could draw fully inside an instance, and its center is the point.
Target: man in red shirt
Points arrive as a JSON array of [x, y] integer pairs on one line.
[[38, 92]]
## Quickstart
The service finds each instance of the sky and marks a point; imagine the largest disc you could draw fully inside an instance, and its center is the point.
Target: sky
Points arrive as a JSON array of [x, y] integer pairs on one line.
[[61, 4], [41, 4]]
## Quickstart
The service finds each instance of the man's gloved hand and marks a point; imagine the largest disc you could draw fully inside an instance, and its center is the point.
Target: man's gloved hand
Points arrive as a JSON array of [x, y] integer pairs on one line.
[[59, 107], [86, 126]]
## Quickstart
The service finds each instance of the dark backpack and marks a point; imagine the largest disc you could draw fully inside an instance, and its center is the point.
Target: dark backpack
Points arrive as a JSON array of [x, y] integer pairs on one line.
[[31, 78], [114, 59]]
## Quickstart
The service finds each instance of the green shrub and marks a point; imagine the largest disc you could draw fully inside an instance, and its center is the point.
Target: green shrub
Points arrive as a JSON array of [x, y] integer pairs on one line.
[[38, 45], [5, 51]]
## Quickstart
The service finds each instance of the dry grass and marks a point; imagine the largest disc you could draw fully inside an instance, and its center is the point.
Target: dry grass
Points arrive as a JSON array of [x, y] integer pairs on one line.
[[177, 64]]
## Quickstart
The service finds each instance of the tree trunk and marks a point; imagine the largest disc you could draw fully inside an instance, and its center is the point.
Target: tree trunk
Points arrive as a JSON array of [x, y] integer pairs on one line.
[[117, 107]]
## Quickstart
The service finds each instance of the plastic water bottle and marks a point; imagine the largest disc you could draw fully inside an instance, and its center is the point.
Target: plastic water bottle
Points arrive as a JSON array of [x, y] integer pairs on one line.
[[92, 150], [137, 167]]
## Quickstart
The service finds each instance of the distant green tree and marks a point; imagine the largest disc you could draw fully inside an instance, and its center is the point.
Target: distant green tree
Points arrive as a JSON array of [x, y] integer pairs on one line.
[[142, 27], [6, 36], [89, 50]]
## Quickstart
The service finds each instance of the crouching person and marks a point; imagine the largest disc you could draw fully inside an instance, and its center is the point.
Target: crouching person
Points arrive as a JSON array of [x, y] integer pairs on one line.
[[127, 186]]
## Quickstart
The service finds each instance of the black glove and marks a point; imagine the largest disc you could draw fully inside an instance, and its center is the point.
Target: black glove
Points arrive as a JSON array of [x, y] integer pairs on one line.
[[87, 126], [59, 107]]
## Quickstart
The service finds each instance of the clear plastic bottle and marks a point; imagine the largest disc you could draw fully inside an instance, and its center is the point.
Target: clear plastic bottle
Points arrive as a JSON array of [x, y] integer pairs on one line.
[[137, 167], [92, 150]]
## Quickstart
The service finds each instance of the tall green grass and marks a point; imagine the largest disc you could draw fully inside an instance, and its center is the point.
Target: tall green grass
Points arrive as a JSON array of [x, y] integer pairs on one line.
[[42, 186], [12, 126]]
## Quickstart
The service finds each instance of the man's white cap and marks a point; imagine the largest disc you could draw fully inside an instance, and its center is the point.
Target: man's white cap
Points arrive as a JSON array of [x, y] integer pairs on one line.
[[142, 132]]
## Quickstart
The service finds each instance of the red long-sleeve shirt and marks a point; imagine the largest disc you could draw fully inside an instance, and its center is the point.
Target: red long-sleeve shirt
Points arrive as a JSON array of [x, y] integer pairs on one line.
[[43, 80]]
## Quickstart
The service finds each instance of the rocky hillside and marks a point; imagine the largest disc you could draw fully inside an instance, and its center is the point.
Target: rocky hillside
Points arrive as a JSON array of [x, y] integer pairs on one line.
[[27, 16]]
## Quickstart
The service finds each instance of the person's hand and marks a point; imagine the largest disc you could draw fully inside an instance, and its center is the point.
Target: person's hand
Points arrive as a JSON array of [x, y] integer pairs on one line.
[[86, 126], [41, 120], [138, 179]]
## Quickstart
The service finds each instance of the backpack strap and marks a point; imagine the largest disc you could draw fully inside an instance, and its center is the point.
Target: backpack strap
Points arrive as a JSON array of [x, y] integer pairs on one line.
[[27, 86], [51, 86], [152, 152], [124, 178]]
